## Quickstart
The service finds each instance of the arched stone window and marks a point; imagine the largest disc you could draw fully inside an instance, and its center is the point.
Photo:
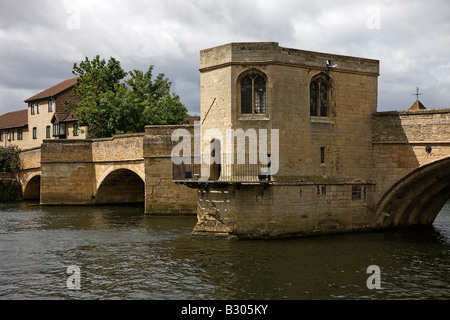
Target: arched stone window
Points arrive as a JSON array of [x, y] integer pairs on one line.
[[253, 94], [319, 97]]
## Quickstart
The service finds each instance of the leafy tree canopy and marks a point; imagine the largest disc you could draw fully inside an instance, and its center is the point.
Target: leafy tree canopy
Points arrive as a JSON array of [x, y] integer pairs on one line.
[[112, 101]]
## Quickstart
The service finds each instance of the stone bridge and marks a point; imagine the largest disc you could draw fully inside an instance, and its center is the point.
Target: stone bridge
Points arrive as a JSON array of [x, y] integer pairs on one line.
[[135, 168], [411, 170], [411, 153], [30, 175]]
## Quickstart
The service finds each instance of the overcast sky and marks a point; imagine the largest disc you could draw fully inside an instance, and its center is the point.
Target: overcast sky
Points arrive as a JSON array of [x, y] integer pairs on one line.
[[40, 40]]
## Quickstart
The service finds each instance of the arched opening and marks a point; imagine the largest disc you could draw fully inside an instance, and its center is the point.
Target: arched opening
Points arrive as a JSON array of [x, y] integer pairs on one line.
[[320, 95], [252, 92], [32, 190], [216, 160], [121, 186], [417, 198]]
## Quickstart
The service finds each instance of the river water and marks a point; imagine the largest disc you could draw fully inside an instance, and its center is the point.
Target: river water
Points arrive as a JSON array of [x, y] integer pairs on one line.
[[123, 254]]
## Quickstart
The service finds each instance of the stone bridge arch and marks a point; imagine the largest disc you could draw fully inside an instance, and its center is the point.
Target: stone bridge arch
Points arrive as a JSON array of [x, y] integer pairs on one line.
[[31, 185], [123, 183], [417, 198]]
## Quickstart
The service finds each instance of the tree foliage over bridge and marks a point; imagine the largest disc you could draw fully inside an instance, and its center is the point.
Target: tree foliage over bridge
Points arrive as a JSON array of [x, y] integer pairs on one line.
[[112, 101], [9, 159]]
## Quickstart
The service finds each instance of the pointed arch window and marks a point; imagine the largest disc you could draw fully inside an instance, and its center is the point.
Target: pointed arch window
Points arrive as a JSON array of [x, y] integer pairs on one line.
[[318, 93], [253, 94]]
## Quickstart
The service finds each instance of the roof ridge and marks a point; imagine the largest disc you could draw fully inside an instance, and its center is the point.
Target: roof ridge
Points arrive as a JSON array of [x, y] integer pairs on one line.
[[54, 90], [21, 110], [14, 119]]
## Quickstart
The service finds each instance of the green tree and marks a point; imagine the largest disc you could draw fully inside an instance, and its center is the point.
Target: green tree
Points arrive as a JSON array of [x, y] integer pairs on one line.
[[9, 159], [109, 106]]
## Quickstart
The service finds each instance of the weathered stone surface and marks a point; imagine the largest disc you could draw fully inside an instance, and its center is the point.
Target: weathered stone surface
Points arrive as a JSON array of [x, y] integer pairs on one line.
[[365, 153], [380, 169], [123, 169]]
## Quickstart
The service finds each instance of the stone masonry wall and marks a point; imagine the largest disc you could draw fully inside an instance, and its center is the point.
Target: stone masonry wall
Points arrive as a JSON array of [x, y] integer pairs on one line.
[[162, 195], [343, 134], [400, 141], [282, 210], [98, 171], [30, 158], [118, 148], [68, 174], [306, 196]]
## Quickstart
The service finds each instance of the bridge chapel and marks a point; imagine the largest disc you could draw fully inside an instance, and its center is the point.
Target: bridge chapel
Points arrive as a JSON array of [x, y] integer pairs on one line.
[[326, 159]]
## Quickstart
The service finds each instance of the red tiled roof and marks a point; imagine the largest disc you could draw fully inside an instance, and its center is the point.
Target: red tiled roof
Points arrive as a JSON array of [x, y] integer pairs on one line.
[[15, 119], [55, 90]]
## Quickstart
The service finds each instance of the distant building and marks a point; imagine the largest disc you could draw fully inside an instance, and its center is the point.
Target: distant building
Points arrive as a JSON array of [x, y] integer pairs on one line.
[[50, 115], [47, 117], [13, 127]]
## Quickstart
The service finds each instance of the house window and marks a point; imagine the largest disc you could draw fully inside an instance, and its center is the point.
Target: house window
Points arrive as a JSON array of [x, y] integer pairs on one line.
[[32, 108], [75, 130], [59, 130], [9, 135], [318, 93], [356, 192], [50, 106], [47, 132], [253, 94], [37, 108], [20, 134], [34, 133], [1, 135]]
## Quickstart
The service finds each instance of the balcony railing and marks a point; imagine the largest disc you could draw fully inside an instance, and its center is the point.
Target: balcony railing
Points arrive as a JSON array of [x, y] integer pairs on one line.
[[229, 168]]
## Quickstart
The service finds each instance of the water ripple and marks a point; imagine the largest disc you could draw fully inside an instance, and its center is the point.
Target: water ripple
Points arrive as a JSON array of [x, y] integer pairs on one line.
[[123, 254]]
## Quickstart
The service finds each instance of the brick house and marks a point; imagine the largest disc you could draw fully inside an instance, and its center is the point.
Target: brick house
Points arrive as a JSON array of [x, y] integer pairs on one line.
[[13, 128], [47, 117]]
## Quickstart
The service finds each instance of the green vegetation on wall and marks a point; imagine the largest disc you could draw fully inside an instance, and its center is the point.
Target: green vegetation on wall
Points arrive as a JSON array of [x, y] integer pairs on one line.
[[10, 190], [9, 159]]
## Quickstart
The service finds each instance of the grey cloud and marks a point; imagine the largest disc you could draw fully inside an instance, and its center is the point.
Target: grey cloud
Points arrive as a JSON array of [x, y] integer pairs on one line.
[[38, 49]]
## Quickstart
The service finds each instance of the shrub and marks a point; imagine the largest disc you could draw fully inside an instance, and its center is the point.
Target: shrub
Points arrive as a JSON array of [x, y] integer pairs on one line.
[[10, 190], [9, 159]]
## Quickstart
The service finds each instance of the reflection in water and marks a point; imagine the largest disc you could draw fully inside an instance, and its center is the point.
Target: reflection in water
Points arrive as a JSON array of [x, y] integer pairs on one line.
[[124, 254]]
